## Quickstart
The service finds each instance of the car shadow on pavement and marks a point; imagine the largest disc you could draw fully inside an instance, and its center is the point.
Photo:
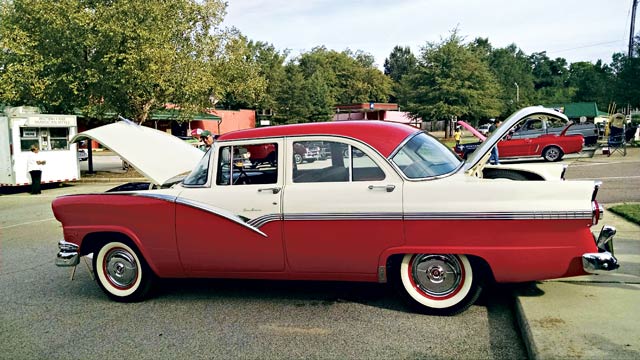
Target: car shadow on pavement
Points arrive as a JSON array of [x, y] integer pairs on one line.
[[300, 293]]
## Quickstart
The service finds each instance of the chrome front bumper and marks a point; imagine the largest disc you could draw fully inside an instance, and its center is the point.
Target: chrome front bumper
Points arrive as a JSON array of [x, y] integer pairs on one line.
[[603, 260], [68, 254]]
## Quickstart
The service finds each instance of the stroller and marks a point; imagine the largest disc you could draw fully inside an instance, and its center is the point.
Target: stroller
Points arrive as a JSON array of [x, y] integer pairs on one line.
[[616, 140]]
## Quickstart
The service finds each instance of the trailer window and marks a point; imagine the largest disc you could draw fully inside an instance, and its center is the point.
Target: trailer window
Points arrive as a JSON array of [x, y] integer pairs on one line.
[[28, 138], [59, 138]]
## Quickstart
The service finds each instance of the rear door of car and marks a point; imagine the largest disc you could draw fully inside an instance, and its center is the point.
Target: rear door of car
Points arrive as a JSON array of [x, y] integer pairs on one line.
[[340, 212], [233, 222]]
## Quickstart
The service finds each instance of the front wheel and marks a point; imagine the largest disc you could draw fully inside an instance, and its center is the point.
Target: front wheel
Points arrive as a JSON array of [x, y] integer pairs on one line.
[[439, 284], [121, 272], [552, 153]]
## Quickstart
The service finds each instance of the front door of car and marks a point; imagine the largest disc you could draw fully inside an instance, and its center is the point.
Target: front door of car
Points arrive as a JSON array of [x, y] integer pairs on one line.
[[515, 147], [342, 211], [233, 222]]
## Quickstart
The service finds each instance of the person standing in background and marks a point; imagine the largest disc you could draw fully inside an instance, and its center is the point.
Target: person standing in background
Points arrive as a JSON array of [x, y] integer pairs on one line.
[[494, 159], [35, 164], [207, 139], [457, 135]]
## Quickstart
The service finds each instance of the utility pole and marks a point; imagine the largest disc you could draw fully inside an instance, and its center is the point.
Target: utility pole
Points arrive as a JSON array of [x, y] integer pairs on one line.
[[633, 23]]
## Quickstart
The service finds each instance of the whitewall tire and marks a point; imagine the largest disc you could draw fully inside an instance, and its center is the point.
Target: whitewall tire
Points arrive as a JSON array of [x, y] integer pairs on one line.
[[440, 284], [121, 272]]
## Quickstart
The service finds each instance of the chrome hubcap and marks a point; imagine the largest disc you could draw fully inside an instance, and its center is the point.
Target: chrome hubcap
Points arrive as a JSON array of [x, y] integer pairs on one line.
[[121, 268], [437, 275], [553, 154]]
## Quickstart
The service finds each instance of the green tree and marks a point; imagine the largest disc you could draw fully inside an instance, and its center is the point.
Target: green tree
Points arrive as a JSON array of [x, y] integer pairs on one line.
[[323, 78], [400, 62], [592, 82], [451, 79], [270, 63], [44, 54], [240, 82], [293, 99], [512, 70], [551, 79], [626, 79], [127, 57]]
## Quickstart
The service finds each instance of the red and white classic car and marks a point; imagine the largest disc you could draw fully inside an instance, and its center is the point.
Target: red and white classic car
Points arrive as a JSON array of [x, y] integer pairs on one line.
[[551, 147], [388, 203]]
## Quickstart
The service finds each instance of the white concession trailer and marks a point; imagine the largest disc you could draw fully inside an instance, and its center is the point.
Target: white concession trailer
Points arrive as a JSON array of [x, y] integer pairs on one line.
[[22, 127]]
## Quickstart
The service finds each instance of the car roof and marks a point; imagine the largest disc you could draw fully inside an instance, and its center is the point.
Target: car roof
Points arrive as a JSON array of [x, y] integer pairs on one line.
[[381, 135]]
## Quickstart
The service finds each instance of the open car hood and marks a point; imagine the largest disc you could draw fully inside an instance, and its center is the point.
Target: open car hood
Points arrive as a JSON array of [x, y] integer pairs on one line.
[[156, 155], [472, 130], [481, 155]]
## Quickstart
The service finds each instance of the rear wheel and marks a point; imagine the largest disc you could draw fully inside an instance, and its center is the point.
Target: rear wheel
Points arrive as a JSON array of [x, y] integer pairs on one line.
[[297, 158], [439, 284], [552, 153], [121, 272]]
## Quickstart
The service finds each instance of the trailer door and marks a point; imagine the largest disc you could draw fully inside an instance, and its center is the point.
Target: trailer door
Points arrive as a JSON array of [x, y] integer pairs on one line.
[[6, 168]]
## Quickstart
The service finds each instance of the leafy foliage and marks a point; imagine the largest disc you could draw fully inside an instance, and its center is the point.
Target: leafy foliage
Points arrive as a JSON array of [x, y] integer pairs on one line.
[[451, 80], [126, 57], [318, 80]]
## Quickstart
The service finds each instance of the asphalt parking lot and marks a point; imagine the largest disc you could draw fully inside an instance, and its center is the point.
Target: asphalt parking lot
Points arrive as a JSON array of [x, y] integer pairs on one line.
[[45, 315]]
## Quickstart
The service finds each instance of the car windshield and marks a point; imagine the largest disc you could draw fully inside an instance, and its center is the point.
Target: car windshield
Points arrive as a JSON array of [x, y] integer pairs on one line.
[[423, 156], [199, 175]]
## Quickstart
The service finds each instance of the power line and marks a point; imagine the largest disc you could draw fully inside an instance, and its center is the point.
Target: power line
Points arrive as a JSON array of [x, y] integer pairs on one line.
[[587, 46]]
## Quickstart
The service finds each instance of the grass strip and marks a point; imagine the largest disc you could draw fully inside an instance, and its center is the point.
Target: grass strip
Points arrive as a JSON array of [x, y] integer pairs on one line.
[[630, 212]]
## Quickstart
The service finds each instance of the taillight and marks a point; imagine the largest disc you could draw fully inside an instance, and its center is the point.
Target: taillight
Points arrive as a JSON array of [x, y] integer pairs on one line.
[[596, 212]]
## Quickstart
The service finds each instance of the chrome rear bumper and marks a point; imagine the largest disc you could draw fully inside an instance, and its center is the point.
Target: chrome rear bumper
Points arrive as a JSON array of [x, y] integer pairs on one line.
[[603, 260], [68, 254]]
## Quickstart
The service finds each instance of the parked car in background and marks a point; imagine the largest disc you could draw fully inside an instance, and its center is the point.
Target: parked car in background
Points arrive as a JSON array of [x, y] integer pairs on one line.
[[543, 125], [83, 155], [383, 216], [302, 153], [484, 129], [551, 147]]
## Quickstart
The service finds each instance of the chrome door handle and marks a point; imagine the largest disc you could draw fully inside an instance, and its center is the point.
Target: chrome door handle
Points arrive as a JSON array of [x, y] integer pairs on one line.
[[388, 188], [274, 190]]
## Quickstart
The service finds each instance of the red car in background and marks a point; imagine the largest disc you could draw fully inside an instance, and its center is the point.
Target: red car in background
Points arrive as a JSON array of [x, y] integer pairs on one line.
[[550, 146]]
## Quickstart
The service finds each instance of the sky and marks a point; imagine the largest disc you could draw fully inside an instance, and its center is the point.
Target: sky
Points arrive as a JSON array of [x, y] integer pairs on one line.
[[577, 30]]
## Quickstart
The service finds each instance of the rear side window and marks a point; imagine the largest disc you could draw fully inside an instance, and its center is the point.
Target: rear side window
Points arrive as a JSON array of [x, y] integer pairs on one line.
[[332, 161]]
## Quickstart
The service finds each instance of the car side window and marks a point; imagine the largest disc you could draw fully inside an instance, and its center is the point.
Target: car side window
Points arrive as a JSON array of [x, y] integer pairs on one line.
[[330, 161], [556, 123], [364, 169], [248, 164], [534, 125]]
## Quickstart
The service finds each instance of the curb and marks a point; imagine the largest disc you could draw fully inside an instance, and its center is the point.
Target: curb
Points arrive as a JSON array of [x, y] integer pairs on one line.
[[525, 331]]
